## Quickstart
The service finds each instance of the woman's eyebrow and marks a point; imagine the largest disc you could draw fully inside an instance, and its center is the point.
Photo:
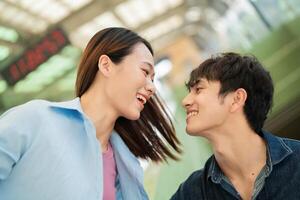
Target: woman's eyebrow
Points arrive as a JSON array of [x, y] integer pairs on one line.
[[150, 65]]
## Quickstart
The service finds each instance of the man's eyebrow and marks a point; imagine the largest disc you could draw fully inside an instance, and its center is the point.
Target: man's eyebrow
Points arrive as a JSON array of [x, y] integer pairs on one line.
[[200, 82], [191, 84], [196, 83]]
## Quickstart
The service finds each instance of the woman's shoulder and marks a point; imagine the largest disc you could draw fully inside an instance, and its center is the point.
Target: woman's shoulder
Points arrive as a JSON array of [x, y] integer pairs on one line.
[[27, 108], [29, 112]]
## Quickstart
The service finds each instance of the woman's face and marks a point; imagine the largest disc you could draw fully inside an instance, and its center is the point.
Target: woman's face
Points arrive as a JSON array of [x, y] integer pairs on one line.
[[131, 84]]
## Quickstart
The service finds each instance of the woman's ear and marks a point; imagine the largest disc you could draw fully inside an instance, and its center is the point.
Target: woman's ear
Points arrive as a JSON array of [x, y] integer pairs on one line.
[[239, 99], [105, 65]]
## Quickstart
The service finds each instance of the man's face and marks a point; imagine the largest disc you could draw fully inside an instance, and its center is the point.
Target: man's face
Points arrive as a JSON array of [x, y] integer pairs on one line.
[[206, 110]]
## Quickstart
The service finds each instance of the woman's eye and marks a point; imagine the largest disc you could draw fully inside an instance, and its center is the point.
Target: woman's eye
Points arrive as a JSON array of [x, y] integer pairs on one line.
[[145, 72]]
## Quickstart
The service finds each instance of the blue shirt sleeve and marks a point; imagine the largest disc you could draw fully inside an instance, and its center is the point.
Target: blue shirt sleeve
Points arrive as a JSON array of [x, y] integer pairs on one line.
[[13, 139]]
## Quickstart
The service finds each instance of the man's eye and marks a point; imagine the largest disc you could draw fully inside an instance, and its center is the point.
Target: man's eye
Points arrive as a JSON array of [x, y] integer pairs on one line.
[[198, 90]]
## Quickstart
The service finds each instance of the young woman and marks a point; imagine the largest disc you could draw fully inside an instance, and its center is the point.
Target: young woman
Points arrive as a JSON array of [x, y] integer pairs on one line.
[[87, 148]]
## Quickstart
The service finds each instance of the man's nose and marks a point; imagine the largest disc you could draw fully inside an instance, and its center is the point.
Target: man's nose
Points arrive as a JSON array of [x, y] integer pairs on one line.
[[187, 101]]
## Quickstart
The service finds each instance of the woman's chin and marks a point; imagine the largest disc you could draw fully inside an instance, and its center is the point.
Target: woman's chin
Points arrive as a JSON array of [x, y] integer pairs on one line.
[[133, 116]]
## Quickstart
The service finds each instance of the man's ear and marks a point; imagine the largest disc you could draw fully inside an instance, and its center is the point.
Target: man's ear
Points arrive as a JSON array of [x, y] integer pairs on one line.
[[239, 99], [105, 65]]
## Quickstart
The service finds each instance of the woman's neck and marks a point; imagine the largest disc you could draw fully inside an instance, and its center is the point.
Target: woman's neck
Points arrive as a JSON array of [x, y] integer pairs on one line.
[[101, 114]]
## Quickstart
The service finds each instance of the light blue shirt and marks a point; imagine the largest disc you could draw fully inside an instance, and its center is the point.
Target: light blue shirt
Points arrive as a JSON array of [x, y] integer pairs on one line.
[[49, 151]]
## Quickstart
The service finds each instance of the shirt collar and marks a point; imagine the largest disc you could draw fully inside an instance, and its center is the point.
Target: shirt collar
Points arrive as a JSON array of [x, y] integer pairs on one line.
[[277, 151], [214, 171], [129, 169], [73, 104]]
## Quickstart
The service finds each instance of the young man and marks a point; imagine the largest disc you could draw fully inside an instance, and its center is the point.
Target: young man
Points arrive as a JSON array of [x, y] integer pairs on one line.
[[228, 101]]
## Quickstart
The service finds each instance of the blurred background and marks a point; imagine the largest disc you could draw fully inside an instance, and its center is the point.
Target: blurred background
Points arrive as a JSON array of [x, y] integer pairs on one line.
[[41, 42]]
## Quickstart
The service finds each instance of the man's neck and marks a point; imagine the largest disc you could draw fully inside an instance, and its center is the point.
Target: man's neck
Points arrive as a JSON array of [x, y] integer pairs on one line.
[[241, 155]]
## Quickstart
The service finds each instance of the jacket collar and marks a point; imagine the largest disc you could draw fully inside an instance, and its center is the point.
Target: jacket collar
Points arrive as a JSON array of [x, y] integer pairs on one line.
[[278, 150]]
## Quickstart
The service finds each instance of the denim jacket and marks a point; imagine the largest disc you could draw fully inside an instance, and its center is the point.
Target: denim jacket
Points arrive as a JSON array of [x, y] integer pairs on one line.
[[49, 151], [282, 177]]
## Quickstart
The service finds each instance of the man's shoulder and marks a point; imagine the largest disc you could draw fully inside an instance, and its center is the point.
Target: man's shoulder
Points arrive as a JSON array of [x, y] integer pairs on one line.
[[282, 148], [193, 186], [200, 174], [292, 143], [287, 143], [189, 189], [195, 177]]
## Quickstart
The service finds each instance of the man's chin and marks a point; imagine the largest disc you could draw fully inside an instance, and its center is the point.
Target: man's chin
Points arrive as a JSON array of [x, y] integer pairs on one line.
[[191, 132]]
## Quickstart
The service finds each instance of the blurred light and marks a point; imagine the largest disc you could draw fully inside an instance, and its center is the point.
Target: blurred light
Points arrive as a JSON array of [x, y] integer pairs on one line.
[[8, 34], [3, 86], [136, 12], [82, 34], [174, 3], [157, 6], [67, 83], [49, 71], [71, 52], [4, 52], [193, 14], [162, 68], [127, 13], [162, 27], [144, 164], [76, 4], [20, 18], [36, 16], [55, 11], [211, 14], [107, 19]]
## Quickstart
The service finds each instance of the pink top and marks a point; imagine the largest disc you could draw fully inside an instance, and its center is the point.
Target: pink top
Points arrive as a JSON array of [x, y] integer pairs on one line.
[[109, 174]]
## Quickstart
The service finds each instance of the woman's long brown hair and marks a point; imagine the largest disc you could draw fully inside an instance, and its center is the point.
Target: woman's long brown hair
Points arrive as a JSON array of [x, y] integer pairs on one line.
[[152, 135]]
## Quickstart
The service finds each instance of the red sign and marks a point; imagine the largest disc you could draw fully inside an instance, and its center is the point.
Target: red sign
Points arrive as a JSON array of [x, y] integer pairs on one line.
[[34, 56]]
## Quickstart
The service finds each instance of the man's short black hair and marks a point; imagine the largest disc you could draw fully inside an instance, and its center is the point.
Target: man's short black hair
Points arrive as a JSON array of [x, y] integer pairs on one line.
[[235, 71]]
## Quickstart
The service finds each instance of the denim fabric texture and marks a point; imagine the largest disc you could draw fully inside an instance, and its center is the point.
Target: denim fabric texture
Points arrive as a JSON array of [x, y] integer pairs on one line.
[[280, 178]]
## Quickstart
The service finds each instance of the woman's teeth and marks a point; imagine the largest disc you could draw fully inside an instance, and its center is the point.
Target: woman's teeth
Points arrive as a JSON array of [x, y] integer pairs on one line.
[[141, 98]]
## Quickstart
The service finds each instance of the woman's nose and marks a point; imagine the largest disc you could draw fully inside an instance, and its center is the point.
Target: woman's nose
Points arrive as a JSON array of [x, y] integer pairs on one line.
[[150, 87]]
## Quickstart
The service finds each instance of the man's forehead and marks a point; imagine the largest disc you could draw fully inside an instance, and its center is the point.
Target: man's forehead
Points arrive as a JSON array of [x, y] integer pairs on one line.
[[200, 81]]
